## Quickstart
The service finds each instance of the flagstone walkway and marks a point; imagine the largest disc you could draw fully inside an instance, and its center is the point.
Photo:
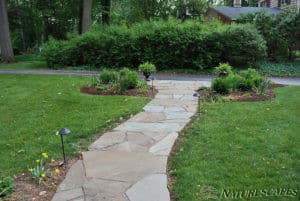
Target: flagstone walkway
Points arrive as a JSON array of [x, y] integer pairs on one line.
[[129, 163]]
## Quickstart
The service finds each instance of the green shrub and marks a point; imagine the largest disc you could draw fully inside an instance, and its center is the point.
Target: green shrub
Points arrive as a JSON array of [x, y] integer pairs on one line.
[[223, 69], [108, 76], [221, 85], [252, 78], [6, 186], [128, 80], [243, 45], [245, 80], [167, 44], [147, 67]]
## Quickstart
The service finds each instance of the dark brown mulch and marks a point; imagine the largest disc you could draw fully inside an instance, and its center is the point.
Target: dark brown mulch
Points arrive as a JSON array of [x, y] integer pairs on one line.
[[131, 92], [27, 189], [248, 96]]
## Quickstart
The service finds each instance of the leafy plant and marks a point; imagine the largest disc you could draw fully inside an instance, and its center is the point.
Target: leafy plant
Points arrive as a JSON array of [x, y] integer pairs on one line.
[[6, 186], [142, 86], [39, 172], [108, 76], [147, 68], [224, 69], [128, 80], [262, 86]]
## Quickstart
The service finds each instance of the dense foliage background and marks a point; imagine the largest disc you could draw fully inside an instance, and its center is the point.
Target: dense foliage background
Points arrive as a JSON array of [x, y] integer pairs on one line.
[[167, 44]]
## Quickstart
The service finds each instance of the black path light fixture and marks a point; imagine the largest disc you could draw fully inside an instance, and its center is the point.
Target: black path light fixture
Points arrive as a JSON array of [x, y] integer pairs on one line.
[[62, 132], [152, 87]]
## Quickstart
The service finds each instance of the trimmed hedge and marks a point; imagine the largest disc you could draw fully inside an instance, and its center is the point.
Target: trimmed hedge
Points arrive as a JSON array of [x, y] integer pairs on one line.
[[167, 44]]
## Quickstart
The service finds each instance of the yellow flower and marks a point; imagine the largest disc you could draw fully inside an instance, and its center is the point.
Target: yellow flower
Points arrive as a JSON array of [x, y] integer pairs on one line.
[[52, 160], [57, 171], [37, 160], [43, 175], [45, 155], [30, 169]]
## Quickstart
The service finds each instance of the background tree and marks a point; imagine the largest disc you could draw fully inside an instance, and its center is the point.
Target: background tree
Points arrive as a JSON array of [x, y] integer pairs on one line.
[[7, 54], [86, 15]]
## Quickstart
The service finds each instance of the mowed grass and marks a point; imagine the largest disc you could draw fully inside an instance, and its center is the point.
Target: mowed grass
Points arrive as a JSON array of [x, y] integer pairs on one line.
[[27, 61], [33, 108], [240, 147]]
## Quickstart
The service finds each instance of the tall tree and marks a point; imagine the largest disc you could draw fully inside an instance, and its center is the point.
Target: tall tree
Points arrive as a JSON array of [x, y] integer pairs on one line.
[[7, 54], [86, 15]]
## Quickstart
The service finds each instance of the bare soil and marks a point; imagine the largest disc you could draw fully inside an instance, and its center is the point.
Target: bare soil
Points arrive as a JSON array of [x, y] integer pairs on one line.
[[26, 189], [131, 92]]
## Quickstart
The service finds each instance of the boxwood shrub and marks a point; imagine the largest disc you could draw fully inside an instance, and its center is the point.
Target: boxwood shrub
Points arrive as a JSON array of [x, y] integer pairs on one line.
[[167, 44]]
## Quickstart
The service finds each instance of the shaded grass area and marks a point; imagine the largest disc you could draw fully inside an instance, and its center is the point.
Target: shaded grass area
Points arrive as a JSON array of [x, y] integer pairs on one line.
[[237, 146], [27, 61], [282, 69], [33, 108]]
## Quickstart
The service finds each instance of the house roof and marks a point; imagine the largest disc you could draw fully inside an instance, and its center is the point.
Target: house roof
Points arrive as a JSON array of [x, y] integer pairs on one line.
[[234, 12]]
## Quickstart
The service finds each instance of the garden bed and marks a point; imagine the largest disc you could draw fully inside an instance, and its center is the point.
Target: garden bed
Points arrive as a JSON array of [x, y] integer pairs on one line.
[[243, 96], [27, 189], [151, 92]]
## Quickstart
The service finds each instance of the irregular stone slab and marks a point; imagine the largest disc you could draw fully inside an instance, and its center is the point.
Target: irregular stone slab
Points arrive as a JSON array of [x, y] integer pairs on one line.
[[162, 96], [104, 190], [69, 195], [107, 140], [174, 109], [156, 135], [179, 115], [164, 146], [122, 166], [139, 138], [151, 108], [148, 117], [180, 92], [173, 102], [150, 188], [74, 178], [154, 127], [128, 147]]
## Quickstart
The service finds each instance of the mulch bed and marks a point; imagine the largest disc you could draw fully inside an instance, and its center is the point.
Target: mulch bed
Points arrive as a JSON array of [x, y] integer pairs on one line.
[[131, 92], [247, 96], [27, 189]]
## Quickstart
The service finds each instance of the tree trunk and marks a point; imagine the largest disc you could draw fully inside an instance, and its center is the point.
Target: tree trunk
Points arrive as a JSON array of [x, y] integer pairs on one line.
[[7, 54], [105, 11], [86, 15]]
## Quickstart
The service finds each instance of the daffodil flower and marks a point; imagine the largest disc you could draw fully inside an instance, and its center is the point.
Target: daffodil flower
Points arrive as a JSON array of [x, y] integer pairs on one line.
[[45, 155], [30, 169], [37, 161], [57, 171], [43, 175], [52, 160]]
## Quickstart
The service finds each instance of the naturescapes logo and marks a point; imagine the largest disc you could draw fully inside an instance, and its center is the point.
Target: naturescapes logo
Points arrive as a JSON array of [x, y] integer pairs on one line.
[[211, 193]]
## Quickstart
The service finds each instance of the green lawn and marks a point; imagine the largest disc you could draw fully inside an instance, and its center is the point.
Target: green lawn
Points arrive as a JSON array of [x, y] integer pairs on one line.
[[240, 147], [28, 61], [33, 108]]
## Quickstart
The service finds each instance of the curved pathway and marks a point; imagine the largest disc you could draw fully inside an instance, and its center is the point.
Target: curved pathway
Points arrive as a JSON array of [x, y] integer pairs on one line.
[[129, 163]]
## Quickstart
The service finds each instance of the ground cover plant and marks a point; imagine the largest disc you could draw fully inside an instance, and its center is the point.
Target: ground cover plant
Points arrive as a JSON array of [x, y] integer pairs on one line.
[[235, 147], [33, 108], [281, 69]]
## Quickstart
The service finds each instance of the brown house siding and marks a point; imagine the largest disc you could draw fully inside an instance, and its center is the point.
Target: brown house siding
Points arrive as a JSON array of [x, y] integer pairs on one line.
[[213, 14]]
